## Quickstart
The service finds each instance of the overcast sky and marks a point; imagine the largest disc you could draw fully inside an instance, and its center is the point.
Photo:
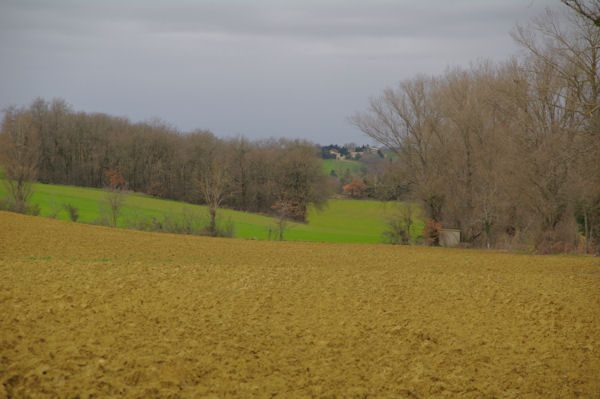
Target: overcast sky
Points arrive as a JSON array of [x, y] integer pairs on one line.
[[260, 69]]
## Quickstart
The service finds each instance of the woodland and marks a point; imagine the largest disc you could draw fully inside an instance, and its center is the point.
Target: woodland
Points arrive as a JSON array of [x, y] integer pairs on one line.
[[506, 152]]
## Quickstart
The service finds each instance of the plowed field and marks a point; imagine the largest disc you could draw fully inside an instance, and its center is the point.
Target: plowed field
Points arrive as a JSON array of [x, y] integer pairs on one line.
[[93, 312]]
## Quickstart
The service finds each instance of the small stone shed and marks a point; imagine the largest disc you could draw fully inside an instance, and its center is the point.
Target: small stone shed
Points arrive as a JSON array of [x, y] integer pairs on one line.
[[449, 237]]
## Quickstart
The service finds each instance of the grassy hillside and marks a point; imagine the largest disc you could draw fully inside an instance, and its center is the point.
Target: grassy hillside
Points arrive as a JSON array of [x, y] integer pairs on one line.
[[340, 167], [341, 221]]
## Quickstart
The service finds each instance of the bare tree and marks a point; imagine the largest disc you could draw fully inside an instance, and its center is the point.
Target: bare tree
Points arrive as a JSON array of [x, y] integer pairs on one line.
[[212, 174], [562, 114], [400, 225], [114, 200], [19, 148], [284, 210], [407, 121]]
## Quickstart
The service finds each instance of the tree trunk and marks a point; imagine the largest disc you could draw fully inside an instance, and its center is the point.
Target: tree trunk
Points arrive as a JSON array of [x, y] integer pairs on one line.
[[586, 232], [213, 224], [487, 233]]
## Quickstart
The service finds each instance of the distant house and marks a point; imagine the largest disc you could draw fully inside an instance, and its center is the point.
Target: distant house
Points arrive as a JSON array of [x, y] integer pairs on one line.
[[336, 154]]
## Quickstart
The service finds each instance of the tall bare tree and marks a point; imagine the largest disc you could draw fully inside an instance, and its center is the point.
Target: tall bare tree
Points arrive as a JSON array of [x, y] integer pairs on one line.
[[19, 156], [212, 175], [407, 121], [564, 79]]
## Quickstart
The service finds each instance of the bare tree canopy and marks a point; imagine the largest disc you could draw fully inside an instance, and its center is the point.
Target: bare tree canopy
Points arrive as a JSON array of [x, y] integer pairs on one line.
[[590, 9], [19, 148], [507, 153]]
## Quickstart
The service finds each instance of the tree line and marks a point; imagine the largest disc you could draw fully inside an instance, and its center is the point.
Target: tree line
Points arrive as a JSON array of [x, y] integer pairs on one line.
[[509, 153], [49, 142]]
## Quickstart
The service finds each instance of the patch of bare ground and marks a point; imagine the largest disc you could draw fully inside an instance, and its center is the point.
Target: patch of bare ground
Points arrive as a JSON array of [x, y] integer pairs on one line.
[[95, 312]]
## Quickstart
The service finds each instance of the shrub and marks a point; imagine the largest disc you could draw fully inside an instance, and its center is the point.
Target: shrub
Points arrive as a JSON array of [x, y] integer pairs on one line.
[[113, 202], [226, 229], [432, 233], [187, 222], [397, 233], [562, 239], [401, 225], [137, 222], [55, 209], [73, 212], [33, 210]]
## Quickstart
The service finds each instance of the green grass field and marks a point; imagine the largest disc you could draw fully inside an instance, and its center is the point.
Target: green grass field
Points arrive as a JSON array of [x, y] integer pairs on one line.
[[341, 167], [348, 221]]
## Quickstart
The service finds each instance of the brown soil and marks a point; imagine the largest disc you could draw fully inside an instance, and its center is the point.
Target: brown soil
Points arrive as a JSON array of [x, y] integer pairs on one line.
[[93, 312]]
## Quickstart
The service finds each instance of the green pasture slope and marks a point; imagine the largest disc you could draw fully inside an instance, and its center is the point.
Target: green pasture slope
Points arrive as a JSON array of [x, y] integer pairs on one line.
[[340, 166], [340, 221]]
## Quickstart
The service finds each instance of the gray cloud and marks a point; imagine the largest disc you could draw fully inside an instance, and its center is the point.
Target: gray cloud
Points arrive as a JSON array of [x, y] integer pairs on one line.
[[262, 68]]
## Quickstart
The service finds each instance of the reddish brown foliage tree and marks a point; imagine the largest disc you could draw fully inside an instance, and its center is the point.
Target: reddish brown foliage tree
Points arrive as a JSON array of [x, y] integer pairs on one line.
[[115, 179], [157, 189], [291, 209], [356, 188], [432, 232]]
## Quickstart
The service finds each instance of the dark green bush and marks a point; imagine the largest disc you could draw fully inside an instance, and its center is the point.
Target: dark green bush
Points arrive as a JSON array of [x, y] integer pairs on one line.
[[73, 212]]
